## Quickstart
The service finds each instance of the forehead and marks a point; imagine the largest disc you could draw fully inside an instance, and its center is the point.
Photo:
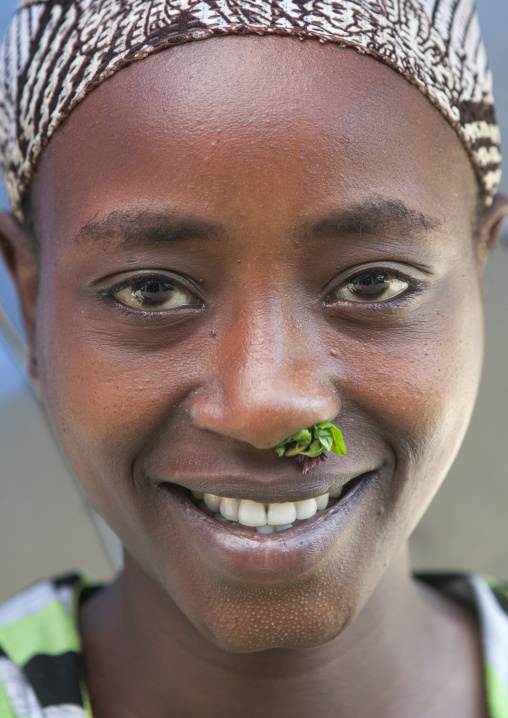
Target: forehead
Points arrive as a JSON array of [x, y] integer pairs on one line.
[[231, 123]]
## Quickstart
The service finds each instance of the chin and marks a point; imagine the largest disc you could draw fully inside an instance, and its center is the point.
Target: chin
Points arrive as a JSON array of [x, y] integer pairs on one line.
[[260, 619]]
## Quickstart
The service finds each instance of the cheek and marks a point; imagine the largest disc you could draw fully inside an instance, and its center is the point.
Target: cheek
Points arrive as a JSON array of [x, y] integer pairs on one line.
[[109, 394], [418, 391], [425, 376]]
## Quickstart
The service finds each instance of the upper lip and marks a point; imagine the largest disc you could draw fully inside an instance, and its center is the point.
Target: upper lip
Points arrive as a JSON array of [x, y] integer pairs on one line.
[[276, 489]]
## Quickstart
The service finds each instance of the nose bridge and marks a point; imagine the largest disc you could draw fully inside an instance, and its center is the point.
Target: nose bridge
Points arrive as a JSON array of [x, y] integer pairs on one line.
[[264, 355], [268, 381]]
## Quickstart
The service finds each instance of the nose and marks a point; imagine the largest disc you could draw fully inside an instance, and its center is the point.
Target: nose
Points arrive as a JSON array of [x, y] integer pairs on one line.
[[266, 383]]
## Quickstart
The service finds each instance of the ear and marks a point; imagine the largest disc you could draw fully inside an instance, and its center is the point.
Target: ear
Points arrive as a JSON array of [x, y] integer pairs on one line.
[[16, 247], [491, 225]]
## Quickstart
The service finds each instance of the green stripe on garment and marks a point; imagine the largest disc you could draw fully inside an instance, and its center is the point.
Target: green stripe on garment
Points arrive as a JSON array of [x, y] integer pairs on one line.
[[6, 710], [50, 631], [497, 698], [86, 701]]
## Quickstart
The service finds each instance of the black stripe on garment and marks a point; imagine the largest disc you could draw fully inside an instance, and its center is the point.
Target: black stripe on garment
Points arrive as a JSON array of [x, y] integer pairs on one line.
[[476, 112], [55, 679], [68, 579]]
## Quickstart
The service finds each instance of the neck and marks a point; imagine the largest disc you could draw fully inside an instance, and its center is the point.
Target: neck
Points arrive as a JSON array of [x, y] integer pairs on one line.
[[143, 657]]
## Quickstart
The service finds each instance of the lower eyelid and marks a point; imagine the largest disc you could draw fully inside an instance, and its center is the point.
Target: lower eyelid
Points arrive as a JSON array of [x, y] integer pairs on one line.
[[140, 313], [177, 313]]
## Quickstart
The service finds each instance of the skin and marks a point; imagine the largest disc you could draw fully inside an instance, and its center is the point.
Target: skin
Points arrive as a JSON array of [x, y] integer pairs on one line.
[[279, 150]]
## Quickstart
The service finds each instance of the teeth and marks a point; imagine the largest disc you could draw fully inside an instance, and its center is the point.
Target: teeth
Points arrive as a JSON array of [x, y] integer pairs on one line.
[[322, 501], [265, 529], [280, 514], [306, 509], [212, 501], [229, 509], [251, 513], [267, 518]]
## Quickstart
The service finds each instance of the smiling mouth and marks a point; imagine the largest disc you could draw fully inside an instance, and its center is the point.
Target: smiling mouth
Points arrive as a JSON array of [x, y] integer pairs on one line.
[[268, 518]]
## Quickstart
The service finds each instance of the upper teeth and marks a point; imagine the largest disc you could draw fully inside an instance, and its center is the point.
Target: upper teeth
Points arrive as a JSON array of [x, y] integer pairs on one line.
[[256, 515]]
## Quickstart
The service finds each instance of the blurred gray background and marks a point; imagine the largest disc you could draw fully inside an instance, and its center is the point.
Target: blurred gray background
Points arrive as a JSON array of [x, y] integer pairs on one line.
[[47, 525]]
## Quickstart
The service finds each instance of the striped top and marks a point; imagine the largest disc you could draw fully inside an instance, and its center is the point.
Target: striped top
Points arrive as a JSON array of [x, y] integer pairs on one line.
[[40, 647], [40, 652]]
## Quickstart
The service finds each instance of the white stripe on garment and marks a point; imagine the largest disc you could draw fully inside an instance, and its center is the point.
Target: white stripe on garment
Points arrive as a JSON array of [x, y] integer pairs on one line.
[[67, 711], [482, 131], [23, 700], [33, 600], [494, 623], [488, 155], [19, 692]]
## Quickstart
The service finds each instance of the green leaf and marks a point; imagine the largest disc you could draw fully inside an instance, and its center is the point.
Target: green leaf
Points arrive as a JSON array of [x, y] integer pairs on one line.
[[315, 449], [301, 437], [323, 425], [325, 437], [313, 442], [298, 448], [338, 446]]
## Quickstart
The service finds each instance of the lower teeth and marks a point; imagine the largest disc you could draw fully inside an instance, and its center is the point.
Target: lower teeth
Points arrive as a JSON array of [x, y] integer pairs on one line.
[[267, 529]]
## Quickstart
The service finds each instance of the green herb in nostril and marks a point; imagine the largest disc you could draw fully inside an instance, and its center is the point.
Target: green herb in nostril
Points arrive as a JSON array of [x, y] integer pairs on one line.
[[311, 446]]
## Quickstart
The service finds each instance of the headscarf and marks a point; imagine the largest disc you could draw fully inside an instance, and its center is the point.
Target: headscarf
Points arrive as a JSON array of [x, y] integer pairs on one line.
[[57, 51]]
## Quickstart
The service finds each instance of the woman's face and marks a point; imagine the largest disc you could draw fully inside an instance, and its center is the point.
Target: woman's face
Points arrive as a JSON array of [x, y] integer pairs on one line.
[[241, 238]]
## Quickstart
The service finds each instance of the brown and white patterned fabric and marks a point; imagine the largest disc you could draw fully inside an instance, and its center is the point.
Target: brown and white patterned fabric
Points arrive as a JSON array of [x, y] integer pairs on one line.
[[57, 51]]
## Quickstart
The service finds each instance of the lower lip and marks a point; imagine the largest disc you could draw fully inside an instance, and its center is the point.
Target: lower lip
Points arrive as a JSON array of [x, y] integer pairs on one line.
[[247, 555]]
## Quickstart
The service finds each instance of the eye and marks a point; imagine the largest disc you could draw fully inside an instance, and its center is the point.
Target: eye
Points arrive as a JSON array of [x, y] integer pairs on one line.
[[154, 294], [374, 285]]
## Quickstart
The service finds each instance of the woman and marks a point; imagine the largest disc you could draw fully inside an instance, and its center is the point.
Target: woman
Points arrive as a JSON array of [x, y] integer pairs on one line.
[[217, 246]]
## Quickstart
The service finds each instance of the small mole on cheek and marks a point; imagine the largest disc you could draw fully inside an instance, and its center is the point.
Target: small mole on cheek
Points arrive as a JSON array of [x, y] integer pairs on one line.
[[334, 352], [425, 355]]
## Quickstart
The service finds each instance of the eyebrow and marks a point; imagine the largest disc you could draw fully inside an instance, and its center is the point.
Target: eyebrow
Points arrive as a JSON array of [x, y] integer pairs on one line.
[[376, 219], [144, 227]]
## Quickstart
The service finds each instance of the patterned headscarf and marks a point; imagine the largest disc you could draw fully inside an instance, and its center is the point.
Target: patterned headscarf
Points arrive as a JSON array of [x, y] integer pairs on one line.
[[57, 51]]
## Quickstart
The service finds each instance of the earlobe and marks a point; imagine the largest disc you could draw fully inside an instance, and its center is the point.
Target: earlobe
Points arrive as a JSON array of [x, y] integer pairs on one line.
[[16, 248]]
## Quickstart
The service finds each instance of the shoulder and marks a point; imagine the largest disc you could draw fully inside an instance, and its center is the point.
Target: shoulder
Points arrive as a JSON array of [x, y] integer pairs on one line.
[[488, 598], [39, 651]]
